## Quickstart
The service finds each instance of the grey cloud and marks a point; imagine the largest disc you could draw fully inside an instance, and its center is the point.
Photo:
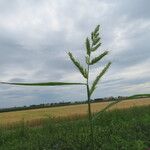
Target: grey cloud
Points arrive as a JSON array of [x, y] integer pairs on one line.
[[35, 37]]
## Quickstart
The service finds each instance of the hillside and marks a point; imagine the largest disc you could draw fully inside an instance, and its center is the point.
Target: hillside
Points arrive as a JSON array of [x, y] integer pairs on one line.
[[139, 96]]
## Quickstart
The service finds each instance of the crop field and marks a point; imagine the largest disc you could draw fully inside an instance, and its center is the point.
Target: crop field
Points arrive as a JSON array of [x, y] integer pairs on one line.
[[35, 115], [121, 129]]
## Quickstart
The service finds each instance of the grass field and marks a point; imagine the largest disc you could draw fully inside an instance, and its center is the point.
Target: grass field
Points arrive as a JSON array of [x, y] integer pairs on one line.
[[124, 129], [36, 115]]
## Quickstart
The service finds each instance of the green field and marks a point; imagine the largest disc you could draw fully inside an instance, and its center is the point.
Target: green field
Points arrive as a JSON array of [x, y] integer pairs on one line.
[[139, 96], [126, 129]]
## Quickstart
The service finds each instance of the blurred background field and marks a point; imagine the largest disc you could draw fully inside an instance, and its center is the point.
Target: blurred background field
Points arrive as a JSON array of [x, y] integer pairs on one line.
[[37, 115]]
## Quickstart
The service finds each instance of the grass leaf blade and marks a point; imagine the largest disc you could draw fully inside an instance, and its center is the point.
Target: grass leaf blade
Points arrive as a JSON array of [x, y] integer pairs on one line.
[[44, 83], [106, 108], [99, 77]]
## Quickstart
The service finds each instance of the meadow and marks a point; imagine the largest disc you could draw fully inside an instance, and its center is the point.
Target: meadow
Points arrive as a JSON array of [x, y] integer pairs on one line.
[[35, 116], [118, 129]]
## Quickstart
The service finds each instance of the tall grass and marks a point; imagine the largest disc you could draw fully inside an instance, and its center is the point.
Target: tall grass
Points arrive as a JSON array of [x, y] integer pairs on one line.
[[92, 44], [116, 130]]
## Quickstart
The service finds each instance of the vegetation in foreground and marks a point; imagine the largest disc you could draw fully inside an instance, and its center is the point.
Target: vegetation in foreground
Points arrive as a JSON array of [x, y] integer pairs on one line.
[[116, 130]]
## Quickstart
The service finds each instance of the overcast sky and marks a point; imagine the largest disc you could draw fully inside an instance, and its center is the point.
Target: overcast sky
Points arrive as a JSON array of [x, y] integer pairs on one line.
[[36, 35]]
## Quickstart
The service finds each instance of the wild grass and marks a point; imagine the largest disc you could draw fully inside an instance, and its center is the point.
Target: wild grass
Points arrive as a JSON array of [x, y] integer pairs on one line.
[[92, 43], [82, 133], [127, 129]]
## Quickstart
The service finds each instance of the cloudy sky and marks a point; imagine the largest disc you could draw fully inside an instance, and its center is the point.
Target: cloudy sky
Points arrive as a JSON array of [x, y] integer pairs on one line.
[[36, 35]]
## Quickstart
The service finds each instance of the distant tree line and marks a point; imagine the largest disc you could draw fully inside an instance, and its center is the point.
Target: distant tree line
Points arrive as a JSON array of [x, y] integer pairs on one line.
[[47, 105]]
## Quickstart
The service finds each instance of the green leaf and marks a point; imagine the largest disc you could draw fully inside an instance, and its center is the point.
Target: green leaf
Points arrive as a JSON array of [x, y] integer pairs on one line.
[[99, 77], [96, 47], [88, 47], [106, 108], [98, 58], [44, 83], [77, 64]]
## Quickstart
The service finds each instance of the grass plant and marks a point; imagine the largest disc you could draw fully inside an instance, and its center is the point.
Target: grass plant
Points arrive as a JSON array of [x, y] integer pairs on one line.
[[92, 44]]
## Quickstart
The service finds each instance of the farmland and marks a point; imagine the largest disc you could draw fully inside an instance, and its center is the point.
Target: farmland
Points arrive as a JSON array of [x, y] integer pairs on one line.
[[121, 129], [124, 126], [36, 115]]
